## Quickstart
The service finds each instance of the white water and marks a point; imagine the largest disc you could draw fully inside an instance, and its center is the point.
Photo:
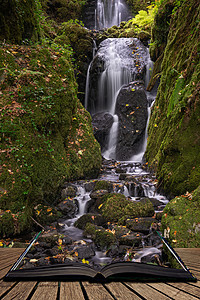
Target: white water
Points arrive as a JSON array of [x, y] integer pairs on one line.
[[110, 12], [112, 139]]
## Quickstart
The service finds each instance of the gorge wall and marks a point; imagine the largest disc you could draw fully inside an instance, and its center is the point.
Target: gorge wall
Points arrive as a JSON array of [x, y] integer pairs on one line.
[[174, 140]]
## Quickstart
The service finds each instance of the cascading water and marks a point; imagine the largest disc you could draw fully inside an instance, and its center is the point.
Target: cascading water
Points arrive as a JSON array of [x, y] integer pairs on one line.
[[109, 13]]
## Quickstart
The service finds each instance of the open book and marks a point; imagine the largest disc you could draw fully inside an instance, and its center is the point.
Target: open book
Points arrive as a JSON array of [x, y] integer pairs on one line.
[[123, 270]]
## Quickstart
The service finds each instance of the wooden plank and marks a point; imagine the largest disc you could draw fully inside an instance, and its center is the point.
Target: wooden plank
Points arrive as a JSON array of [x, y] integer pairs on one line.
[[4, 272], [171, 291], [120, 291], [193, 251], [20, 291], [195, 291], [46, 290], [195, 273], [96, 291], [197, 284], [5, 286], [71, 290], [146, 291]]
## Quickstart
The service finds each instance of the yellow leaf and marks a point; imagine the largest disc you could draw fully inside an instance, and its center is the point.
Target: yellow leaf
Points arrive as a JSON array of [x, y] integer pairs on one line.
[[1, 244], [38, 212], [100, 206], [76, 253], [85, 261], [49, 209]]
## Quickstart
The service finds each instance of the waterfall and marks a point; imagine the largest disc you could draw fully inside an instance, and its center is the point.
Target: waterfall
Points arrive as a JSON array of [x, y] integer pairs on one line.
[[87, 86], [109, 13], [110, 152]]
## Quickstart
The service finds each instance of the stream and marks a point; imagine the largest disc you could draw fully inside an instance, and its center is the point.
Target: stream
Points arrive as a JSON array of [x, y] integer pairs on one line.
[[115, 90], [118, 65]]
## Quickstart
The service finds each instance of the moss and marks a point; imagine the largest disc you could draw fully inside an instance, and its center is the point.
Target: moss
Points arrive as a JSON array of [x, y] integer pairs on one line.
[[143, 208], [104, 239], [62, 10], [103, 185], [113, 207], [6, 225], [45, 132], [20, 20], [181, 217], [174, 141]]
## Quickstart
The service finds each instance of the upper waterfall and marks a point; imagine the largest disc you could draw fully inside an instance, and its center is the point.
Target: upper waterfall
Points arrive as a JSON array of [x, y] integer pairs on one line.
[[109, 13]]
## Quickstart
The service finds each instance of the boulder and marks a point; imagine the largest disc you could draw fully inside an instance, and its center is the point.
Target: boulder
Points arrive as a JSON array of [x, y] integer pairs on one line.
[[69, 191], [102, 123], [86, 251], [68, 208], [89, 218], [142, 225], [133, 239], [131, 108]]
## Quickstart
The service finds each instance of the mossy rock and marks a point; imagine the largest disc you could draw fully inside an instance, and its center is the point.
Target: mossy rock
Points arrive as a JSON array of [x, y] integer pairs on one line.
[[89, 218], [103, 185], [104, 239], [142, 208], [90, 230], [46, 215], [181, 218], [113, 207]]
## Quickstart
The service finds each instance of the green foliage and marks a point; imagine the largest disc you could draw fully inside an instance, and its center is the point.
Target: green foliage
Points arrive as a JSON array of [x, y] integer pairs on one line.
[[144, 19]]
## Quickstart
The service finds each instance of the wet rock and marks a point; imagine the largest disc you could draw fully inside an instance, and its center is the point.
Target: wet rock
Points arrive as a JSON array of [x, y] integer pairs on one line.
[[132, 239], [142, 225], [86, 251], [68, 208], [50, 238], [136, 190], [98, 194], [89, 186], [67, 240], [69, 191], [156, 203], [131, 108], [89, 218], [102, 122]]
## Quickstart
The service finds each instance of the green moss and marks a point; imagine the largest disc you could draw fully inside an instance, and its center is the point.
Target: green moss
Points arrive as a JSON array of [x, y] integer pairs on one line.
[[6, 225], [104, 239], [20, 20], [113, 207], [173, 144], [103, 185], [46, 135], [62, 10], [182, 217]]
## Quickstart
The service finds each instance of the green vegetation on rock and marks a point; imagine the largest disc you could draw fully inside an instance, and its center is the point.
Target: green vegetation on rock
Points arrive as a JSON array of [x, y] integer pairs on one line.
[[181, 220], [174, 143], [45, 133]]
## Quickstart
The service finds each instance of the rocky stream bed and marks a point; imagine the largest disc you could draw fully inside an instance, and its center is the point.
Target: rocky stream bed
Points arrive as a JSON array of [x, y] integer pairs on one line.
[[112, 218]]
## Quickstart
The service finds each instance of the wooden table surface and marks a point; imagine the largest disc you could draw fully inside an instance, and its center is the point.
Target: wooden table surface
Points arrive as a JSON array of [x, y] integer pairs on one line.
[[60, 290]]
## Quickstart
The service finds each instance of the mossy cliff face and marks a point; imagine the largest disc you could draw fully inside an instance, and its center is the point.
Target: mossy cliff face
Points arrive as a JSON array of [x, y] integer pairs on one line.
[[174, 129], [19, 20], [46, 135]]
